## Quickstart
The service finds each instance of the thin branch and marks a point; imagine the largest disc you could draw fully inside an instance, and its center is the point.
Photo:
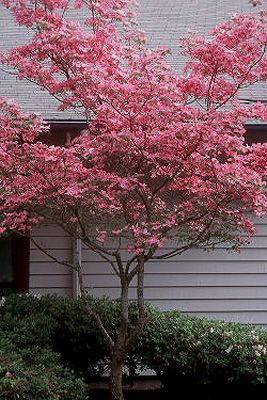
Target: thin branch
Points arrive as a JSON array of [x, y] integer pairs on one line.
[[142, 318], [47, 253], [244, 79], [128, 265], [191, 244], [146, 203], [212, 79], [93, 16], [90, 310]]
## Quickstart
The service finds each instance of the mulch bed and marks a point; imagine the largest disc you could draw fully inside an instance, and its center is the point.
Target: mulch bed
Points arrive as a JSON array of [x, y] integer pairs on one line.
[[152, 389], [141, 389]]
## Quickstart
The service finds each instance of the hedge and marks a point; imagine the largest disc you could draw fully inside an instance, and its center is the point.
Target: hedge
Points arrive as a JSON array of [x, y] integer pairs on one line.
[[37, 374], [177, 347], [198, 351], [62, 323]]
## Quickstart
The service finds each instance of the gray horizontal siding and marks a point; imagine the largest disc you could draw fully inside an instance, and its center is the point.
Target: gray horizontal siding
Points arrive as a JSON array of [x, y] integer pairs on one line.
[[51, 290], [183, 280], [46, 276], [61, 254], [170, 267], [171, 294], [195, 255], [254, 317], [216, 284]]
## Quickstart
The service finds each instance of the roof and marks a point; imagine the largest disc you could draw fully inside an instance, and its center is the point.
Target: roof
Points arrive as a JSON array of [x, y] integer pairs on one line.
[[164, 21]]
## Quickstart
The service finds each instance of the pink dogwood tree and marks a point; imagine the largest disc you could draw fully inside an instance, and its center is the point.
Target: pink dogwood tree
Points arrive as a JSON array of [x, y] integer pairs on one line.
[[163, 156]]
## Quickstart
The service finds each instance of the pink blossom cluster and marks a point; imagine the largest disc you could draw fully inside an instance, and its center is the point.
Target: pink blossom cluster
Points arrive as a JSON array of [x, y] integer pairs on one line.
[[163, 155]]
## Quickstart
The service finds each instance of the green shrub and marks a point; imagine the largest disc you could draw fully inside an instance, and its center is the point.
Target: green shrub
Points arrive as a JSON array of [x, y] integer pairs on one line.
[[178, 347], [57, 322], [199, 351], [36, 374], [63, 324]]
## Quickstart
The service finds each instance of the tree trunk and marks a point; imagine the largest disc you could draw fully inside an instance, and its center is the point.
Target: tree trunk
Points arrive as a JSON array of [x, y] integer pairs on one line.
[[115, 383]]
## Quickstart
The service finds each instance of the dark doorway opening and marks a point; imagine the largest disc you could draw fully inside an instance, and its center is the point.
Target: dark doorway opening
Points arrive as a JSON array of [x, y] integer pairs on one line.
[[14, 264]]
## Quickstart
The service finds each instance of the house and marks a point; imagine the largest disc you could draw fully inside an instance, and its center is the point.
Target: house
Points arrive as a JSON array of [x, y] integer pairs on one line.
[[218, 284]]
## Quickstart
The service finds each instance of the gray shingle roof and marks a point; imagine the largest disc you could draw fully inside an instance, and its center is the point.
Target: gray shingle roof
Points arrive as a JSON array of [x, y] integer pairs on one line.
[[164, 22]]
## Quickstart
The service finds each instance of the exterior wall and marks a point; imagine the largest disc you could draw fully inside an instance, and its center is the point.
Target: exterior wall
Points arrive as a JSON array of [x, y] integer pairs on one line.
[[45, 275], [216, 284]]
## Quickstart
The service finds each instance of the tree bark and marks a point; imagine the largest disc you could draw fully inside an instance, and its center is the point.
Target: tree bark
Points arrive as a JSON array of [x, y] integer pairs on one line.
[[115, 383]]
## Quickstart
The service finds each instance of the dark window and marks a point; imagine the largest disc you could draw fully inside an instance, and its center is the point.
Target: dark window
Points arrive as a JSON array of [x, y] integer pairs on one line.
[[6, 265], [256, 133], [14, 264], [61, 132]]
